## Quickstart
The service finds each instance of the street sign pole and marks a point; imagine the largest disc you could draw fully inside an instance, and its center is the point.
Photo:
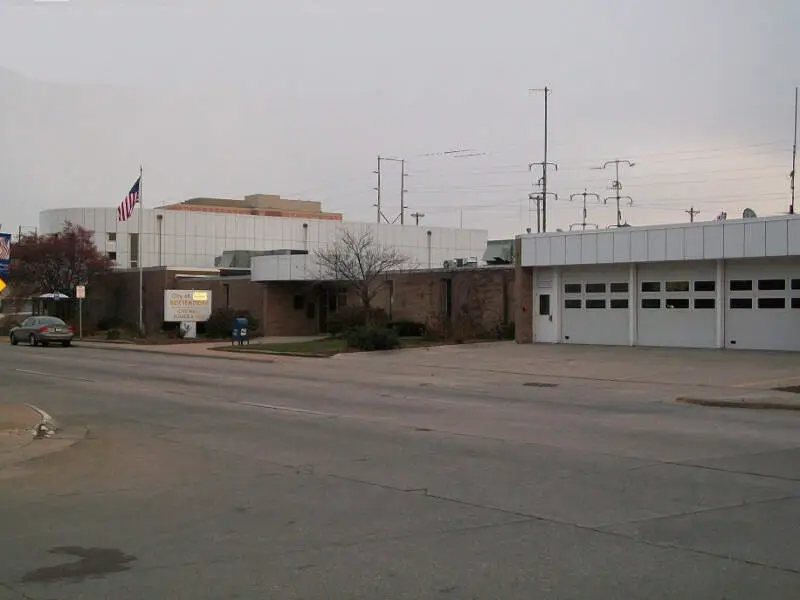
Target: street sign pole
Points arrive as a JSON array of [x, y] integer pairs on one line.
[[80, 293]]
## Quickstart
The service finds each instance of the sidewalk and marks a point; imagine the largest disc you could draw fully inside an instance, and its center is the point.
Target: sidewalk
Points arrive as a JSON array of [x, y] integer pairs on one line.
[[195, 349], [17, 423]]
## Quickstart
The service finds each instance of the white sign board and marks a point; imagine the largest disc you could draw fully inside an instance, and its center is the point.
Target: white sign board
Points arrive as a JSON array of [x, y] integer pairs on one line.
[[80, 292], [187, 305]]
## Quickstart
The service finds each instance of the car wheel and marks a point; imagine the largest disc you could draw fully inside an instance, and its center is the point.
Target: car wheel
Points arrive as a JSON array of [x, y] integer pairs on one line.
[[66, 344], [32, 340], [13, 340]]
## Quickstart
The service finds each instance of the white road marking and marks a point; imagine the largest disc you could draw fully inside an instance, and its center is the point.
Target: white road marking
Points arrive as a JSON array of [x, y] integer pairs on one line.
[[55, 376], [289, 409]]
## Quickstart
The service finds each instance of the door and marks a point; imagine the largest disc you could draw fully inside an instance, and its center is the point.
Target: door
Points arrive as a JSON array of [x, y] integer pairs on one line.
[[544, 324], [677, 305], [762, 308], [596, 306]]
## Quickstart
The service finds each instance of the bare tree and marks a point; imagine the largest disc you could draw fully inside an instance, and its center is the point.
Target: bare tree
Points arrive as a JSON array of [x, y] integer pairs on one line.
[[362, 261]]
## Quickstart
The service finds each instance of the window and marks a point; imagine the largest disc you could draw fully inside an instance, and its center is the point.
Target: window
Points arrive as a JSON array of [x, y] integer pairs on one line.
[[544, 304], [596, 303], [112, 237], [595, 288], [299, 302], [111, 255], [741, 303], [677, 303], [705, 286], [651, 286], [572, 303], [677, 286], [796, 284], [572, 288], [741, 285], [772, 303], [771, 285], [651, 303], [704, 303], [619, 303], [795, 302], [619, 288]]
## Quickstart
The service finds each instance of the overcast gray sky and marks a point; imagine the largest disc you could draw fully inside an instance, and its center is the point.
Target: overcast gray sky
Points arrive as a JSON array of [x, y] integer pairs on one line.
[[297, 97]]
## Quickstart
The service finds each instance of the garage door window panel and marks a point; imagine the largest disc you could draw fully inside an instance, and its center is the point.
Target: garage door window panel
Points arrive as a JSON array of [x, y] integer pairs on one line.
[[572, 288], [677, 286], [771, 285], [651, 286], [771, 303], [572, 303], [595, 288], [673, 303], [652, 303], [741, 285], [741, 303], [593, 303]]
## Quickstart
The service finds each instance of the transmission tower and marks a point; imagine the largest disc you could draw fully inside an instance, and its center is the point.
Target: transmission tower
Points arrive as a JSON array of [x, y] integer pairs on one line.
[[403, 190], [583, 224], [616, 186]]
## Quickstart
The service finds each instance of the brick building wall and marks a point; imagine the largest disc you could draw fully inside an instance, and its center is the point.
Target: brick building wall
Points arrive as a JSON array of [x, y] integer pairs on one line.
[[466, 302]]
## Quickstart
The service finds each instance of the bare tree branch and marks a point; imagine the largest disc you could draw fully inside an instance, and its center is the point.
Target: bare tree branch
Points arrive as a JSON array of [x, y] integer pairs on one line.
[[361, 261]]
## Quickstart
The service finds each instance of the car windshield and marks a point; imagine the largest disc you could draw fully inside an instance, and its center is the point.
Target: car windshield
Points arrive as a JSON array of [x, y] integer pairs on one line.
[[51, 321]]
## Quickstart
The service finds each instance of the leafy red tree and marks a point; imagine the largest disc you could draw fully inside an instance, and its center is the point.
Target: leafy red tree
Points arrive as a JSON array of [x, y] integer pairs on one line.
[[57, 262]]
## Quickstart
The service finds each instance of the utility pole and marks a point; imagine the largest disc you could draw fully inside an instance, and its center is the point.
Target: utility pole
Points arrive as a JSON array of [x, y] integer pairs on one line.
[[403, 190], [544, 164], [692, 212], [538, 199], [583, 222], [794, 153], [378, 189], [417, 216], [616, 185]]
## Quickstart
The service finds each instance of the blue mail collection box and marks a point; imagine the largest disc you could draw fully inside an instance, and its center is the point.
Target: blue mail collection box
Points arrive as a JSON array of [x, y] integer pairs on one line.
[[241, 330]]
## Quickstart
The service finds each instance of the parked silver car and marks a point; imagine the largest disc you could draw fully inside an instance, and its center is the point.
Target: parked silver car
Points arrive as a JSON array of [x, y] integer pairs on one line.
[[42, 330]]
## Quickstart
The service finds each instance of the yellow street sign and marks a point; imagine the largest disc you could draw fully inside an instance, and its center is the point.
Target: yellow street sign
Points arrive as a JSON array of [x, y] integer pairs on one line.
[[2, 285]]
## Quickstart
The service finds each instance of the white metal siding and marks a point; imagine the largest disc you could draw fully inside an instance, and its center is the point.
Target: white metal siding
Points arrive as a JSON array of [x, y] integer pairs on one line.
[[763, 319], [595, 317], [677, 313]]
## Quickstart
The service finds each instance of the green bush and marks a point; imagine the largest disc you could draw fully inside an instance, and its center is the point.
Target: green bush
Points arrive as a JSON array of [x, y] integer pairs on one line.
[[351, 317], [408, 328], [220, 323], [370, 338]]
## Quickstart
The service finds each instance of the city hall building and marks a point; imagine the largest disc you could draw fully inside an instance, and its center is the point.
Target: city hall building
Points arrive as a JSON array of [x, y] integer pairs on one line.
[[729, 284]]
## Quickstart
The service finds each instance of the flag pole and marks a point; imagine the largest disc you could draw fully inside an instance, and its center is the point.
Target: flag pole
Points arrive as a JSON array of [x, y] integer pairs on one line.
[[140, 257]]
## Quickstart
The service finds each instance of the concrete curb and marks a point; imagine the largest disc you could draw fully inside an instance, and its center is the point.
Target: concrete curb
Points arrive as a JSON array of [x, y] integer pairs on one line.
[[212, 353], [767, 403]]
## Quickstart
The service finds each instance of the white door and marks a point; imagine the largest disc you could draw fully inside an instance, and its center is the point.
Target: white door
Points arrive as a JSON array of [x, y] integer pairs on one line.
[[762, 309], [596, 306], [677, 305], [544, 320]]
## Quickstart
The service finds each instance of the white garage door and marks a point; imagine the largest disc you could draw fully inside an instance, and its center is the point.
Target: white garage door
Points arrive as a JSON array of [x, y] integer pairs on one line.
[[595, 306], [763, 305], [677, 305]]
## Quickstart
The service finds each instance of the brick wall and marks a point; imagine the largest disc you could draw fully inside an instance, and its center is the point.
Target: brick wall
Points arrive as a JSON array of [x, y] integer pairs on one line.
[[523, 291]]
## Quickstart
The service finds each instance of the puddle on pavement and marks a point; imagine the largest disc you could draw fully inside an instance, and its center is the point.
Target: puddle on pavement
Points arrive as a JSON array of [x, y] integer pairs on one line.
[[93, 562]]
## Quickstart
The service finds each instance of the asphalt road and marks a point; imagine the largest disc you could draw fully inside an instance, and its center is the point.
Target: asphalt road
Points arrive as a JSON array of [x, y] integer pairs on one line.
[[211, 479]]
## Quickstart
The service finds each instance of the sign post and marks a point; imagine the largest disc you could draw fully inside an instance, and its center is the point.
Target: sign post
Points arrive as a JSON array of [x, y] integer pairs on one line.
[[80, 294]]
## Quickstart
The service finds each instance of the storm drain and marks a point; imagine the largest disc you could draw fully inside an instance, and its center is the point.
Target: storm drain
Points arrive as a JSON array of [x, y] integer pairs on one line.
[[540, 384]]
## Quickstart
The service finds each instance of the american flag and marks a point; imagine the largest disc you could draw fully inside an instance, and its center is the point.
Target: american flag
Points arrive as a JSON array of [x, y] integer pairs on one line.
[[125, 210], [5, 247]]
